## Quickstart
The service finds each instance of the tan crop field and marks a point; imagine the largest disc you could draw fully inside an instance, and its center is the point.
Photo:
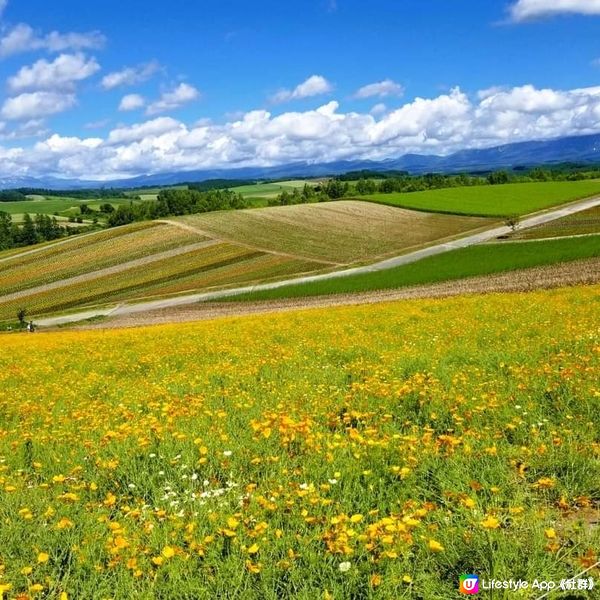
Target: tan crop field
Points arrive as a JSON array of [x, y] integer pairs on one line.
[[342, 232]]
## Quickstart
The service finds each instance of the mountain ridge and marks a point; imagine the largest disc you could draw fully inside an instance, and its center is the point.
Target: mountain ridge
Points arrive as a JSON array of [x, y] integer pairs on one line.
[[575, 149]]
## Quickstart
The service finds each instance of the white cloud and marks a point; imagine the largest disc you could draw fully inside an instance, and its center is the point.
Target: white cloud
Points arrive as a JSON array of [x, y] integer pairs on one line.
[[384, 88], [140, 131], [60, 74], [182, 94], [378, 109], [22, 38], [524, 10], [130, 75], [132, 102], [315, 85], [37, 104], [29, 129], [439, 125]]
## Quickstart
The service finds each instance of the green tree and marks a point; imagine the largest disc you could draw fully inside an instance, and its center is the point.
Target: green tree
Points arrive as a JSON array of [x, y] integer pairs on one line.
[[28, 232]]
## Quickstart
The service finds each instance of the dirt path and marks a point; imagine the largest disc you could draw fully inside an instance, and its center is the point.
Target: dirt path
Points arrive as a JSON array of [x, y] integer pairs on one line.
[[205, 233], [579, 272], [132, 264]]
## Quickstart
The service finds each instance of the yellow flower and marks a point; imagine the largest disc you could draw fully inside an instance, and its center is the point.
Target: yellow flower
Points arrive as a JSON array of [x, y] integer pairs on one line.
[[490, 522], [550, 533], [64, 523], [36, 587], [253, 567], [43, 557], [375, 580], [158, 560], [253, 549], [356, 518], [4, 587], [168, 552], [407, 579], [26, 570], [435, 546]]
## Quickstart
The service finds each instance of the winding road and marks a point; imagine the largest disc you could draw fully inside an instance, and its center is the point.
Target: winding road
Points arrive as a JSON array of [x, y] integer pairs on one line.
[[404, 259]]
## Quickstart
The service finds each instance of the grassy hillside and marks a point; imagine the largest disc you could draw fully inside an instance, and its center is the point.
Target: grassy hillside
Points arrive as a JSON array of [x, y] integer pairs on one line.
[[363, 452], [340, 232], [493, 200], [456, 264]]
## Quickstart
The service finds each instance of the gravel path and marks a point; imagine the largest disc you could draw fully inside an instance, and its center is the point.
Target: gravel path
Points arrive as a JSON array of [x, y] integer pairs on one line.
[[581, 272]]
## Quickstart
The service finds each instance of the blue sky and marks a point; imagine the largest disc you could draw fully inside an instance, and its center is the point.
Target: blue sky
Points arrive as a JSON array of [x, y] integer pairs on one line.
[[107, 89]]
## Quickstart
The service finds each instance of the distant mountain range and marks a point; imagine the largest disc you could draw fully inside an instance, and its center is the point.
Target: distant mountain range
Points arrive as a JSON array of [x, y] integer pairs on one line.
[[580, 150]]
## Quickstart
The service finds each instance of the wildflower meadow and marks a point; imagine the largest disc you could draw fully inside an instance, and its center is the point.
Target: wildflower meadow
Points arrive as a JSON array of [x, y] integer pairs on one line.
[[357, 452]]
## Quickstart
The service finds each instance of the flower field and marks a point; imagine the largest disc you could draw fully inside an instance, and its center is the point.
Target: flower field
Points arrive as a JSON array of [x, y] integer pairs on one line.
[[360, 452], [95, 252]]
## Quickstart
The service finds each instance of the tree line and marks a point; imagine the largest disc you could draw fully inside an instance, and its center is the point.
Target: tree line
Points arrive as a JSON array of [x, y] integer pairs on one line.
[[41, 228], [175, 202]]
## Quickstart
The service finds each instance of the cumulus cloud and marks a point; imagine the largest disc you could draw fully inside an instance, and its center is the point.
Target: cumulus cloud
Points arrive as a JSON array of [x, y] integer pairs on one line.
[[22, 38], [60, 74], [182, 94], [384, 88], [315, 85], [132, 102], [524, 10], [439, 125], [130, 75], [36, 104]]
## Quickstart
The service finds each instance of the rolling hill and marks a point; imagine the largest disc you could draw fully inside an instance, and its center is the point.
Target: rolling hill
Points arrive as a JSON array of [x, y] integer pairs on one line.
[[210, 251]]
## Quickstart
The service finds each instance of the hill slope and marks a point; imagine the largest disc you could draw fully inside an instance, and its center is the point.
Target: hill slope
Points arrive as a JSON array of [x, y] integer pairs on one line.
[[209, 251]]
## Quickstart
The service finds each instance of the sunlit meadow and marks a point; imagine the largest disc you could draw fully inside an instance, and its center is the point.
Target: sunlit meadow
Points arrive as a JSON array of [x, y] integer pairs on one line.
[[362, 452]]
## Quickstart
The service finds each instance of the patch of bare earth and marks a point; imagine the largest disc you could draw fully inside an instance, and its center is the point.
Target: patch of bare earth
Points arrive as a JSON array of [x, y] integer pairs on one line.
[[581, 272]]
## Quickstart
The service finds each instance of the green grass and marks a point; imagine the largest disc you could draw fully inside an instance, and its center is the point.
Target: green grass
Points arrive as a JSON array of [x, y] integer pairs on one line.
[[50, 205], [492, 200], [269, 190], [457, 264]]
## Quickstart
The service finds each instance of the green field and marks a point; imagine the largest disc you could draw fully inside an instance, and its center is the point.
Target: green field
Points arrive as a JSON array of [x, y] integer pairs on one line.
[[457, 264], [270, 190], [51, 205], [492, 200]]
